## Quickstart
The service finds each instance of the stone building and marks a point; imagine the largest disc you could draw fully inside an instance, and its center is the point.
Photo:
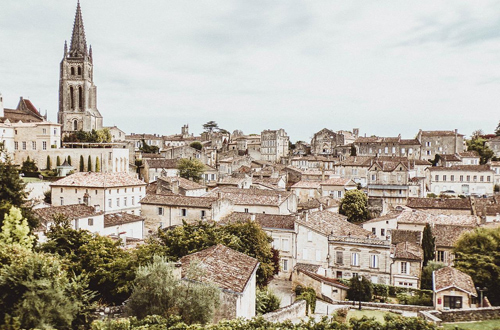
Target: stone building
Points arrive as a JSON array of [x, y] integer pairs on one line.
[[440, 142], [453, 289], [387, 146], [461, 179], [77, 92], [234, 273], [325, 141], [388, 180], [274, 145], [406, 266], [494, 144]]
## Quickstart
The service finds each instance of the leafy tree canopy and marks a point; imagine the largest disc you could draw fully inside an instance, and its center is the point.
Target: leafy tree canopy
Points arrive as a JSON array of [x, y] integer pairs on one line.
[[478, 254], [146, 148], [15, 229], [94, 136], [190, 169], [196, 145], [360, 288], [478, 144], [497, 130], [354, 205], [210, 126]]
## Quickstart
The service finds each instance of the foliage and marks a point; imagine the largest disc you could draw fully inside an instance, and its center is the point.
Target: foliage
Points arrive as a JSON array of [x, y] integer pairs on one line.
[[29, 168], [428, 244], [110, 269], [496, 188], [426, 278], [210, 126], [246, 237], [158, 291], [37, 291], [97, 164], [497, 130], [421, 299], [354, 205], [478, 144], [94, 136], [360, 289], [82, 165], [58, 161], [146, 148], [89, 164], [49, 163], [196, 145], [477, 253], [15, 229], [69, 159], [266, 301], [309, 295], [190, 169], [436, 160]]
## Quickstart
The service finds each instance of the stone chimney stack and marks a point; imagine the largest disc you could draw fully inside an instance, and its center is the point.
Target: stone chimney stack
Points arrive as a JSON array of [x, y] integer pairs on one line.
[[1, 106], [252, 217]]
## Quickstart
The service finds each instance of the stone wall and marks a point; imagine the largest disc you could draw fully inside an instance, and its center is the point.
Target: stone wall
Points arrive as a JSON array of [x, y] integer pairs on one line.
[[293, 311], [466, 315], [409, 308]]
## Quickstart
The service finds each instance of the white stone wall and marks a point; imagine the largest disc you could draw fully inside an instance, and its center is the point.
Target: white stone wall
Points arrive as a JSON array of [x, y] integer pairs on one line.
[[464, 182]]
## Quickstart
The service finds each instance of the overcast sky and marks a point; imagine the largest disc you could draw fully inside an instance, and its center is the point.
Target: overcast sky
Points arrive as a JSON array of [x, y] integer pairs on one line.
[[386, 67]]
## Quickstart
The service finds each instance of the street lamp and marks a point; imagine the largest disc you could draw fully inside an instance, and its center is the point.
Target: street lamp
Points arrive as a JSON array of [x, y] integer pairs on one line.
[[359, 288], [481, 295]]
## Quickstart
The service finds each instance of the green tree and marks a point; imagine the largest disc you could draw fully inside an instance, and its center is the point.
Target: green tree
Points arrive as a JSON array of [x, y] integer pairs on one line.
[[69, 160], [82, 164], [89, 164], [266, 301], [477, 253], [477, 143], [29, 167], [497, 130], [146, 148], [110, 269], [49, 163], [354, 205], [97, 165], [360, 288], [210, 126], [190, 169], [353, 151], [196, 145], [426, 278], [428, 244], [36, 290], [15, 229], [159, 291], [104, 135], [58, 161]]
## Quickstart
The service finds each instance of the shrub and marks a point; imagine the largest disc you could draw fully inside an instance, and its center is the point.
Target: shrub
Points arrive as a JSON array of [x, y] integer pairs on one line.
[[309, 295], [266, 301]]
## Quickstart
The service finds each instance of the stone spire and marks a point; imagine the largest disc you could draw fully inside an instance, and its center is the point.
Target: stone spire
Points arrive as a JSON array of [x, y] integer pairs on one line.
[[78, 46]]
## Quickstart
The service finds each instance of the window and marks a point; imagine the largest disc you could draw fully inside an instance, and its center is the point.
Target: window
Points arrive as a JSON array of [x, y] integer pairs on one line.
[[488, 178], [440, 256], [118, 202], [24, 145], [276, 243], [285, 245], [124, 201], [44, 131], [44, 145], [91, 222], [475, 178], [452, 178], [428, 144], [79, 201], [481, 178], [339, 257], [374, 231], [160, 211], [374, 261], [382, 232], [305, 255], [62, 189], [285, 265], [203, 212], [62, 200], [404, 267], [355, 259], [246, 210], [452, 302], [110, 203], [309, 236], [444, 177], [76, 191], [468, 178], [183, 212], [33, 145], [318, 255], [132, 200], [16, 145], [436, 178], [461, 178]]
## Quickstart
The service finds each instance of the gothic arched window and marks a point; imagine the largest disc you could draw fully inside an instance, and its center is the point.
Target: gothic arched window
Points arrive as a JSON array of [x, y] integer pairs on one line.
[[79, 71], [80, 98], [71, 98], [72, 71], [75, 125]]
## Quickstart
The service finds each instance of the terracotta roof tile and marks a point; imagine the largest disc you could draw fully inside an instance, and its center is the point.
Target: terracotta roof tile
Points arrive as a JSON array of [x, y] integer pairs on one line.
[[225, 267], [399, 236], [408, 251], [466, 168], [162, 163], [115, 219], [179, 200], [98, 180], [251, 196], [449, 277], [447, 235], [72, 212], [263, 219], [439, 203], [329, 223], [439, 133]]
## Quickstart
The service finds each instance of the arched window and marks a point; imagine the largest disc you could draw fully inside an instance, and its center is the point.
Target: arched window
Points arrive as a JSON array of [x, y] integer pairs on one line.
[[80, 98], [75, 125], [72, 98], [72, 71], [79, 71]]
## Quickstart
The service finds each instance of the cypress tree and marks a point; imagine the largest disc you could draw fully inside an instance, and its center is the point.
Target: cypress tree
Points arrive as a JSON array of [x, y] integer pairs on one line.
[[89, 165], [428, 244], [49, 165], [58, 161], [97, 165], [82, 165], [69, 160]]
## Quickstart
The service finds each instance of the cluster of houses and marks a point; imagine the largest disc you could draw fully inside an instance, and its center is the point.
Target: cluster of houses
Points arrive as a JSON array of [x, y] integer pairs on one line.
[[292, 191]]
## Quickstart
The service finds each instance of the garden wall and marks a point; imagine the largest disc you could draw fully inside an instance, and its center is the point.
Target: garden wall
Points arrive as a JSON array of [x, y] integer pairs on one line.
[[293, 311]]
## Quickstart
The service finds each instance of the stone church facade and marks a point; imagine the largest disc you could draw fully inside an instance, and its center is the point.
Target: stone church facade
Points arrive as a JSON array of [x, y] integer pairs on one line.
[[77, 92]]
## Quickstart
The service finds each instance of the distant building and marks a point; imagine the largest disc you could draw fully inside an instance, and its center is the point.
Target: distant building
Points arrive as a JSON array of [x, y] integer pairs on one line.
[[440, 142], [274, 145], [453, 289]]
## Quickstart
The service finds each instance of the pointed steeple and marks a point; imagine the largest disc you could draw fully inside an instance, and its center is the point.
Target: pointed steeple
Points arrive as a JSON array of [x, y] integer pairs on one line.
[[90, 53], [65, 49], [78, 46]]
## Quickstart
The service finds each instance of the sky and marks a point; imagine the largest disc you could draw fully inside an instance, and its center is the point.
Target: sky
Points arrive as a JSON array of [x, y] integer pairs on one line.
[[385, 67]]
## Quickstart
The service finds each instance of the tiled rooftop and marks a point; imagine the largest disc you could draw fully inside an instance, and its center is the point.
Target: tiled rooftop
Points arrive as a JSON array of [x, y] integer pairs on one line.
[[115, 219], [408, 251], [440, 133], [329, 223], [162, 163], [263, 219], [178, 200], [72, 212], [447, 235], [464, 168], [225, 267], [439, 203], [250, 196], [449, 277], [98, 180]]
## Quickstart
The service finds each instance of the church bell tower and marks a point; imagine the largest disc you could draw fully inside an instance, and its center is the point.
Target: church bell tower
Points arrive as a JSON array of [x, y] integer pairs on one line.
[[77, 92]]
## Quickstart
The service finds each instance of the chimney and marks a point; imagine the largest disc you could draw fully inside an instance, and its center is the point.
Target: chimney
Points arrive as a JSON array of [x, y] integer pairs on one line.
[[1, 106], [320, 206], [279, 198], [252, 217], [97, 208]]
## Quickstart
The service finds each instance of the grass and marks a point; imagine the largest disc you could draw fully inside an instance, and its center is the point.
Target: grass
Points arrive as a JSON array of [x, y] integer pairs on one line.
[[481, 325], [26, 179], [378, 315]]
